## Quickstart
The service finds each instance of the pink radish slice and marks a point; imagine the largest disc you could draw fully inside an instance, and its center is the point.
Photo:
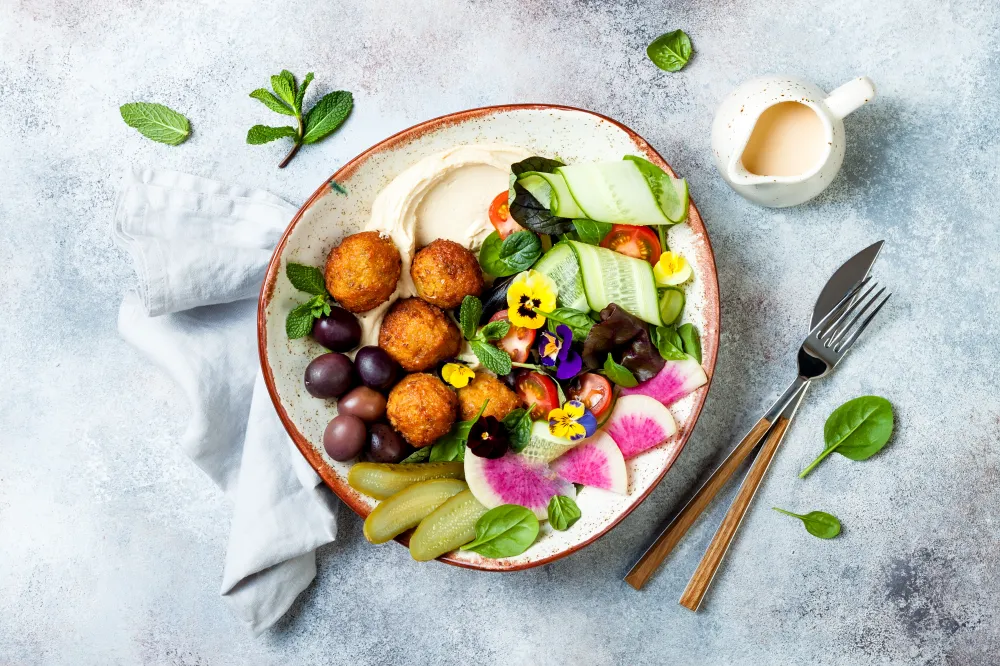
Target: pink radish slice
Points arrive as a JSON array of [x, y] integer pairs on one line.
[[598, 463], [673, 382], [513, 480], [638, 423]]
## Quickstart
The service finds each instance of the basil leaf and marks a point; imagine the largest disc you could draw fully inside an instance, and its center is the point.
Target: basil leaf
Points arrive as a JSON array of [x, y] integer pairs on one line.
[[495, 360], [327, 115], [468, 316], [495, 330], [818, 523], [670, 51], [489, 257], [505, 531], [579, 322], [520, 250], [858, 429], [619, 374], [156, 122], [563, 512], [306, 278], [531, 214], [518, 425], [591, 231], [691, 338], [418, 456], [299, 322], [535, 163]]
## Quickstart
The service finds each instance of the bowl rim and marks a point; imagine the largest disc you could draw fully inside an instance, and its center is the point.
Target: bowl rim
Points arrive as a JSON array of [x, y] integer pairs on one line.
[[339, 487]]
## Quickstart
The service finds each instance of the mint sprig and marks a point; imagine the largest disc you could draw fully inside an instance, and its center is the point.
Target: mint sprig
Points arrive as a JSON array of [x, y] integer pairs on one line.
[[309, 279], [496, 360], [286, 97]]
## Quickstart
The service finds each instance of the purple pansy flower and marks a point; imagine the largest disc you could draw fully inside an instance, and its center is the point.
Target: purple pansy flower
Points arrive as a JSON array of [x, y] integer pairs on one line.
[[556, 350]]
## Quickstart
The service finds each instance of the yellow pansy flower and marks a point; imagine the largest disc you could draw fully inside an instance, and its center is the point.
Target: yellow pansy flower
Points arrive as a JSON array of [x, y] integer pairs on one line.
[[672, 269], [457, 375], [572, 421], [530, 296]]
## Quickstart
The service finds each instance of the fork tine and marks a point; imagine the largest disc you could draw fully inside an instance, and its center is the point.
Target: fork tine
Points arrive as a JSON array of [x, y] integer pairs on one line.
[[818, 328], [846, 344], [846, 328], [837, 326]]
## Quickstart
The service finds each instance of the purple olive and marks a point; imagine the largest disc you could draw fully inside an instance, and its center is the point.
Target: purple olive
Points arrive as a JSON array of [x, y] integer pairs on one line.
[[385, 445], [376, 368], [338, 331], [365, 403], [344, 437], [329, 375]]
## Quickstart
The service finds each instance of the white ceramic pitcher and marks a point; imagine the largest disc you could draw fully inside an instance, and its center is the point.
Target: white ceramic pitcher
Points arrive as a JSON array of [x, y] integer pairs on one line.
[[738, 114]]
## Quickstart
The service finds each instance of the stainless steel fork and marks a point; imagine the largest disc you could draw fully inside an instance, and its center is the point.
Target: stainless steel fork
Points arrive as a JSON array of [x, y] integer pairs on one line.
[[823, 349]]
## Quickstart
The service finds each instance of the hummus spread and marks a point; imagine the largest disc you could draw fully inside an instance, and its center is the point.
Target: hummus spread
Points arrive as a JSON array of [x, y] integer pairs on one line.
[[445, 195]]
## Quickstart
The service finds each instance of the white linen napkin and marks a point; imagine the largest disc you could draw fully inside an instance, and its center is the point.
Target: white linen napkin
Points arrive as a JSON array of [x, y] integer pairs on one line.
[[200, 249]]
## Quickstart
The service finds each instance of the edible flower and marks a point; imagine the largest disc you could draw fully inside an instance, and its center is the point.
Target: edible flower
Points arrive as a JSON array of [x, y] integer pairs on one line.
[[557, 352], [530, 296], [457, 375], [572, 421], [488, 438], [671, 270]]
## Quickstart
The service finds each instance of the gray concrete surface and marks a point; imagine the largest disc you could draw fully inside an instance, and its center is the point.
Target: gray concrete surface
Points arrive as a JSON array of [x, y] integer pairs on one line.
[[111, 542]]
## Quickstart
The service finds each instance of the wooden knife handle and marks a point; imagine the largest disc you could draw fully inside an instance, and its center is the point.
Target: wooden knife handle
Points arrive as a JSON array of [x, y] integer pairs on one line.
[[702, 578], [678, 527]]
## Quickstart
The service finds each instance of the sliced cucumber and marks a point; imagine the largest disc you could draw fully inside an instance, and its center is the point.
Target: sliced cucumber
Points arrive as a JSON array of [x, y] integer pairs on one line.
[[560, 264], [632, 191], [671, 194], [671, 303], [552, 192], [609, 277]]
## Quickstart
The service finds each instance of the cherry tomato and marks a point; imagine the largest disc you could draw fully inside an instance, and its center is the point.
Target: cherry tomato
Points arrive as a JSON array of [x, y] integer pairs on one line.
[[592, 390], [500, 216], [538, 390], [517, 343], [638, 242]]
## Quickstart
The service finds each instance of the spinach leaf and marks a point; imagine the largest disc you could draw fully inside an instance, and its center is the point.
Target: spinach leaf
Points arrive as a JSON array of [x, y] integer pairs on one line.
[[692, 340], [531, 214], [418, 456], [858, 429], [505, 531], [468, 316], [520, 250], [591, 231], [579, 322], [451, 447], [818, 523], [563, 512], [668, 343], [670, 51], [619, 374], [518, 425]]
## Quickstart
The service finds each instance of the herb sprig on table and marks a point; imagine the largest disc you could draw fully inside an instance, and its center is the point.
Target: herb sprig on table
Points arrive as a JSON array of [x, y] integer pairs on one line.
[[286, 97]]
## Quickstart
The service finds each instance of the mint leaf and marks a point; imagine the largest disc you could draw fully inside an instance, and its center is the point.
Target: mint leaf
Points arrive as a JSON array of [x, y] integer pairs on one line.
[[619, 374], [469, 315], [327, 115], [495, 360], [272, 102], [306, 278], [156, 122], [284, 86], [495, 330], [301, 94], [318, 306], [259, 134], [299, 322]]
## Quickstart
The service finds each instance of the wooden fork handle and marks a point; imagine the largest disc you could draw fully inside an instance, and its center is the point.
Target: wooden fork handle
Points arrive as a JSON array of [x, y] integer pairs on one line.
[[678, 527], [702, 578]]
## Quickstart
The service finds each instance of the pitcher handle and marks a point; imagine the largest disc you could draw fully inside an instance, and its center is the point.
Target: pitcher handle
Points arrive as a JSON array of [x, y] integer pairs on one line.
[[848, 97]]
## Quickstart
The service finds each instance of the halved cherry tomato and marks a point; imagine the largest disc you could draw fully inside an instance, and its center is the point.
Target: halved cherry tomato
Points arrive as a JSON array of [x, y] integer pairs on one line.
[[538, 390], [500, 217], [592, 390], [638, 242], [517, 343]]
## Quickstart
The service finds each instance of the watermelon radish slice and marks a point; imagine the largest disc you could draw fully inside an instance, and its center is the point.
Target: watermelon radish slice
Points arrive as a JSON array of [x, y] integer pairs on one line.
[[511, 479], [637, 424], [597, 463], [673, 382]]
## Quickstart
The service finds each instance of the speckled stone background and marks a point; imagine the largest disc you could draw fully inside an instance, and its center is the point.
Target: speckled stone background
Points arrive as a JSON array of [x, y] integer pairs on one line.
[[111, 542]]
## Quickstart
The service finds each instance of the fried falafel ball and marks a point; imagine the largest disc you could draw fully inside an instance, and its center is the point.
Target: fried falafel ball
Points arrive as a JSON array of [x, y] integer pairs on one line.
[[482, 388], [418, 335], [444, 273], [421, 408], [362, 272]]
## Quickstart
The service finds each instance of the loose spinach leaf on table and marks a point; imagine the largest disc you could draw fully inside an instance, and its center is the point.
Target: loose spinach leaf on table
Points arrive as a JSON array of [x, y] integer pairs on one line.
[[563, 512], [818, 523], [505, 531], [591, 231], [691, 338], [619, 374], [858, 429], [670, 51]]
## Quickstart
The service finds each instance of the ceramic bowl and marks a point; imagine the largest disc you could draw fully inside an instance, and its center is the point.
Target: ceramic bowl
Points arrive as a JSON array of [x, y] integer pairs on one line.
[[342, 205]]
